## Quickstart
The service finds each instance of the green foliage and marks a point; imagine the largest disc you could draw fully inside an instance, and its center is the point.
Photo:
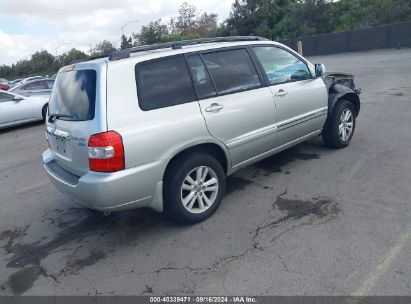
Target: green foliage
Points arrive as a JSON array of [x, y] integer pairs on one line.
[[188, 24], [186, 20], [126, 42], [353, 14], [278, 19], [251, 17], [151, 33], [70, 56], [105, 47], [40, 63], [274, 19]]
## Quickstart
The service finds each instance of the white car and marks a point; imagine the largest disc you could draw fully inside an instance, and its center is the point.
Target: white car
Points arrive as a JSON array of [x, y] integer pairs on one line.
[[39, 88], [17, 109]]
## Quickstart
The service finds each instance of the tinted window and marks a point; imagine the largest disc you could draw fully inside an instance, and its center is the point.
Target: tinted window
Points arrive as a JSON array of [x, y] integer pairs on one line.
[[163, 83], [74, 94], [50, 84], [5, 97], [36, 85], [232, 71], [280, 65], [201, 77]]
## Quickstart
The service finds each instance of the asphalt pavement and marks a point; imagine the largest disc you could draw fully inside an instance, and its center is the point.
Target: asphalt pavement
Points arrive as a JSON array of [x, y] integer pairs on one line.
[[309, 221]]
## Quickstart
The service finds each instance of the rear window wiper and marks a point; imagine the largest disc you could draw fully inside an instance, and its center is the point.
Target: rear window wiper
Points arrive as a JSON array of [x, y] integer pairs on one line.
[[55, 116]]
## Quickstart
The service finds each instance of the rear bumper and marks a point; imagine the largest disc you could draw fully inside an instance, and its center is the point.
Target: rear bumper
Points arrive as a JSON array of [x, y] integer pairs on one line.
[[127, 189]]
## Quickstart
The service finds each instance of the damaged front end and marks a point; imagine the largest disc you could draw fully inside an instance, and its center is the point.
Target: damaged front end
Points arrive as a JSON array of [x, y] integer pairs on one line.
[[343, 79], [341, 86]]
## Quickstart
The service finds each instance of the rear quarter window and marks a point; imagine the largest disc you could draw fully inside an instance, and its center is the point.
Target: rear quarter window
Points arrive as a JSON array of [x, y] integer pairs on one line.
[[163, 83], [74, 94]]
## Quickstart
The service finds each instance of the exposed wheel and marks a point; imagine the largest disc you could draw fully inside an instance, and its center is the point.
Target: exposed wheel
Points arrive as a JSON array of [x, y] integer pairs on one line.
[[340, 125], [194, 186], [44, 112]]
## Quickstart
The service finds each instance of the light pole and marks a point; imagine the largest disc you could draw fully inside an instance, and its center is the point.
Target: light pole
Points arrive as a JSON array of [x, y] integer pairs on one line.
[[60, 47], [122, 28]]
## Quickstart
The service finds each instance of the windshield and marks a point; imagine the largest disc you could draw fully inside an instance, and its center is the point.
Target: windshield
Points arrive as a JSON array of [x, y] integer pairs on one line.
[[74, 95]]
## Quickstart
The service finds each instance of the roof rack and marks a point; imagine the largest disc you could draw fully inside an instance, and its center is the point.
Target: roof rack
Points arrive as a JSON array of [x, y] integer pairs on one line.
[[175, 45]]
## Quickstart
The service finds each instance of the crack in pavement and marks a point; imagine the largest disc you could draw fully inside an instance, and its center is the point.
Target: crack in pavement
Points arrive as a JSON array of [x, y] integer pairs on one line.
[[28, 257]]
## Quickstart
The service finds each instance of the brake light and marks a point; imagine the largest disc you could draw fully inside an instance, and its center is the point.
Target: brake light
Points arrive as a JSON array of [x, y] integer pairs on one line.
[[106, 152]]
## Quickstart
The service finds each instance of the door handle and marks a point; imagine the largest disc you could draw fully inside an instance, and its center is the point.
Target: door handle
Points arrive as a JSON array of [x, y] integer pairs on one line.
[[214, 107], [281, 92]]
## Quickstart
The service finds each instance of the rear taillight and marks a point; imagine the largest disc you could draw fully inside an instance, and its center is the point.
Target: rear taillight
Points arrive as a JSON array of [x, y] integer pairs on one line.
[[106, 152]]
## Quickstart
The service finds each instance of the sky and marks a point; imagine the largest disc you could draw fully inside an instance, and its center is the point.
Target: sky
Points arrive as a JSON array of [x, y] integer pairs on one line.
[[27, 26]]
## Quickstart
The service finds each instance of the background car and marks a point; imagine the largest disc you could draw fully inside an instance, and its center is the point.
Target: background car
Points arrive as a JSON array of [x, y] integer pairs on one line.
[[39, 87], [15, 82], [17, 109], [4, 86]]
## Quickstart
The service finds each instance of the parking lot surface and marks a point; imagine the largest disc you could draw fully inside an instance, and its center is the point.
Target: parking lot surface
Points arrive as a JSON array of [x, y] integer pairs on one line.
[[309, 221]]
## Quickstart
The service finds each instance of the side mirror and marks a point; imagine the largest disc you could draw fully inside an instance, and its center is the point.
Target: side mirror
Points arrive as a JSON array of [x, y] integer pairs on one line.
[[319, 70], [17, 99]]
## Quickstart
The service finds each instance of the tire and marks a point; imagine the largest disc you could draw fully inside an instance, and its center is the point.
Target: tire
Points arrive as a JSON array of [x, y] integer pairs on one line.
[[194, 203], [337, 132], [44, 111]]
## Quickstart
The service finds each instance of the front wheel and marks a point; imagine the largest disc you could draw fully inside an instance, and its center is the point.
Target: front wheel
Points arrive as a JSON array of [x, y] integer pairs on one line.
[[340, 126], [194, 188]]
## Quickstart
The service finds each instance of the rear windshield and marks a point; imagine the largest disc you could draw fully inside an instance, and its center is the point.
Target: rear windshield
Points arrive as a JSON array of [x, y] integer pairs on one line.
[[74, 95]]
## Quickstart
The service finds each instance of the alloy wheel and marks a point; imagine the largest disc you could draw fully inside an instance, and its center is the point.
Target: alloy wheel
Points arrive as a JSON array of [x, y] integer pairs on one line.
[[346, 125], [199, 189]]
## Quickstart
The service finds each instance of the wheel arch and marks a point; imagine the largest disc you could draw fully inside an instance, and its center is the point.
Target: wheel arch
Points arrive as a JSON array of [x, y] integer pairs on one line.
[[217, 151], [338, 93]]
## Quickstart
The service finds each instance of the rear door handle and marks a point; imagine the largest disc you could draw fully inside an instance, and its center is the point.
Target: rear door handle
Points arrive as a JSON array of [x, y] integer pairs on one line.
[[281, 92], [214, 107]]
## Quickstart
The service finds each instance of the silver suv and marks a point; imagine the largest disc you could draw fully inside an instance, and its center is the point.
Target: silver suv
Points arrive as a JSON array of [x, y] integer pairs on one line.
[[161, 126]]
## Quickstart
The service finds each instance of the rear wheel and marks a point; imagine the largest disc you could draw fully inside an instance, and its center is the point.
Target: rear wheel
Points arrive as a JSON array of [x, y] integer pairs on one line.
[[194, 187], [44, 112], [340, 126]]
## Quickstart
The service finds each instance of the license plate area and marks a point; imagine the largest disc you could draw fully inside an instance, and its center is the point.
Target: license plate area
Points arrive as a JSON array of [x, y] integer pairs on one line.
[[60, 146]]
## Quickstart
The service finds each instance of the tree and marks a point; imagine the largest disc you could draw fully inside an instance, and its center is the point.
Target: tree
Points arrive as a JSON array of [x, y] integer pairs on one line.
[[251, 17], [125, 42], [71, 56], [154, 32], [186, 20], [40, 62], [206, 24], [352, 14], [274, 19], [105, 47], [313, 17], [6, 71], [188, 24]]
